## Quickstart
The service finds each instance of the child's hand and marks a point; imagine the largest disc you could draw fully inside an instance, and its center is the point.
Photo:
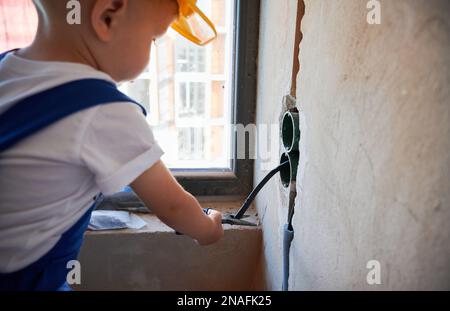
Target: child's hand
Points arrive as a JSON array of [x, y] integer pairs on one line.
[[159, 190], [217, 231]]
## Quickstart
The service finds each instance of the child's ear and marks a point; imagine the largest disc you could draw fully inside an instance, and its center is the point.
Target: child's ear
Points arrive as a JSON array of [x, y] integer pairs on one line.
[[106, 15]]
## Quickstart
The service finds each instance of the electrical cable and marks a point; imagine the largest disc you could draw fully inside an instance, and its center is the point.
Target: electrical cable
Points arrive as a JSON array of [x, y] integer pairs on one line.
[[258, 188]]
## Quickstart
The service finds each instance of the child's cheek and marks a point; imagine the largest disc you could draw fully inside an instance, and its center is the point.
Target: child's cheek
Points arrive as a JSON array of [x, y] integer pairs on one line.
[[145, 56], [140, 60], [138, 54]]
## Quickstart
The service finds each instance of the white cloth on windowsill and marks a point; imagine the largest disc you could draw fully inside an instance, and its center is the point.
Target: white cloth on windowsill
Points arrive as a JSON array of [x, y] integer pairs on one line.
[[113, 220]]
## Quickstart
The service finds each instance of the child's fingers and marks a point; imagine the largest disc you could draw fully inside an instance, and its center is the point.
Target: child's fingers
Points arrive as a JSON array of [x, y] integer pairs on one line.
[[215, 215], [217, 219]]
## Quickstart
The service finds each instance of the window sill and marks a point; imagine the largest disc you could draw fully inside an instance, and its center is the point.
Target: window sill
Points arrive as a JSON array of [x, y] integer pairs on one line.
[[223, 204]]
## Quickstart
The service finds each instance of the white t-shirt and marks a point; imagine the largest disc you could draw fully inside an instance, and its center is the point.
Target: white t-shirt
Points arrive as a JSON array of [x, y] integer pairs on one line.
[[48, 180]]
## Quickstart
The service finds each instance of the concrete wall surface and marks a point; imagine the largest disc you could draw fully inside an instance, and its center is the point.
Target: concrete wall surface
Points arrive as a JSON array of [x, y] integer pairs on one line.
[[374, 176]]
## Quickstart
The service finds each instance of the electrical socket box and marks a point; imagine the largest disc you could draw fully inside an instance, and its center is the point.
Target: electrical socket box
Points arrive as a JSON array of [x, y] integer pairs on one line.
[[290, 137]]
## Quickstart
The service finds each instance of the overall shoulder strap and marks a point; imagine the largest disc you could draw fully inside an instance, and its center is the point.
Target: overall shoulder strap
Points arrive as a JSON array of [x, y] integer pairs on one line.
[[38, 111]]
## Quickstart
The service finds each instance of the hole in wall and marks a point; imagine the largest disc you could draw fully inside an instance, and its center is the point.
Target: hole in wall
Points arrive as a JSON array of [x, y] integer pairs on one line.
[[289, 172], [285, 173]]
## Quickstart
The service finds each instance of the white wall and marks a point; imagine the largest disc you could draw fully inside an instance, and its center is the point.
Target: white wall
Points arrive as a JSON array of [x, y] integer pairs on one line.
[[374, 174]]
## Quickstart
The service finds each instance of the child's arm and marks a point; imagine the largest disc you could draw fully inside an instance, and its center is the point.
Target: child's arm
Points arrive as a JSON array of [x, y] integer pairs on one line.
[[159, 190]]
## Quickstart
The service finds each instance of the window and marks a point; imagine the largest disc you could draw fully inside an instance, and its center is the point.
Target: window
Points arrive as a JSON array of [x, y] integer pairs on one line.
[[189, 57], [191, 143], [191, 101], [188, 86], [195, 98], [194, 95]]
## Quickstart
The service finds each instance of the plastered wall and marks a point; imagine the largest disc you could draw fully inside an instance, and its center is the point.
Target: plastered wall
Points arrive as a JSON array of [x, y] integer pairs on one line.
[[374, 174]]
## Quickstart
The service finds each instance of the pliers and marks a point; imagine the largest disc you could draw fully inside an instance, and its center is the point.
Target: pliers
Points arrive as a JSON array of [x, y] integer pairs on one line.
[[230, 219]]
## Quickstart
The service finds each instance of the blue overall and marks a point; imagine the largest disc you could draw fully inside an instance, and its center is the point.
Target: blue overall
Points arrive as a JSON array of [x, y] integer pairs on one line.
[[22, 120]]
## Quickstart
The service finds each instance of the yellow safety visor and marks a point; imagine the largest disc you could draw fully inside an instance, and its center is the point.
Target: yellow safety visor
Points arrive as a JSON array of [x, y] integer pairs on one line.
[[193, 24]]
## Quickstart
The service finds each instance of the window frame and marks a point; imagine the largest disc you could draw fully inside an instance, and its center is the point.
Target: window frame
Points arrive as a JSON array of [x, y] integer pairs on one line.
[[238, 180]]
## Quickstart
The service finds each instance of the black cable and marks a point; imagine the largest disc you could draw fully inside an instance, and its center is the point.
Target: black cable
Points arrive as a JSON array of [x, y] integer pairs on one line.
[[255, 191]]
